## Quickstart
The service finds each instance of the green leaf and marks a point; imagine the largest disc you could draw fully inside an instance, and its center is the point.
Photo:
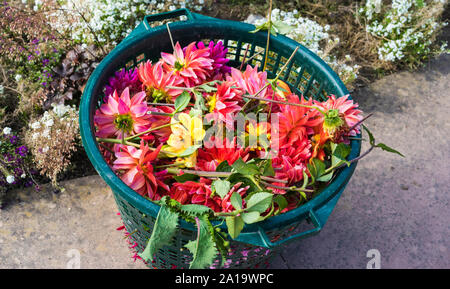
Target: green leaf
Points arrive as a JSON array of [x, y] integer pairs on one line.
[[281, 202], [189, 151], [388, 149], [186, 177], [316, 169], [246, 169], [221, 187], [282, 27], [203, 249], [420, 3], [194, 210], [305, 179], [182, 101], [199, 101], [259, 202], [262, 27], [163, 231], [223, 167], [207, 87], [235, 225], [236, 200], [325, 178], [251, 217], [339, 153], [268, 169], [371, 138]]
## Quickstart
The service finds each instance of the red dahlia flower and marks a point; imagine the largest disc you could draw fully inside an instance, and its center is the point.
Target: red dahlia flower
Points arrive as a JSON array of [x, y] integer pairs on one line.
[[291, 161], [216, 151], [193, 65], [155, 80], [191, 192], [224, 205], [295, 122], [137, 168], [218, 53], [122, 115]]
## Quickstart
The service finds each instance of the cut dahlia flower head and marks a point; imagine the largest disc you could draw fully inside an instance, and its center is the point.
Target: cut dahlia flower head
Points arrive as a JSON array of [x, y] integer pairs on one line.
[[154, 137]]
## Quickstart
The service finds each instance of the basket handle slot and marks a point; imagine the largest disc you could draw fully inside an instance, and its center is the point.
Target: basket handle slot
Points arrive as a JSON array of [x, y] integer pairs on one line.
[[166, 15]]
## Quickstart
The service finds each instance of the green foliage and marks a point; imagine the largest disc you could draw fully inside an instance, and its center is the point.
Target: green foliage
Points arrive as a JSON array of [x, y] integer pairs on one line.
[[203, 248], [235, 224], [259, 202], [182, 101], [380, 145], [163, 231], [221, 187]]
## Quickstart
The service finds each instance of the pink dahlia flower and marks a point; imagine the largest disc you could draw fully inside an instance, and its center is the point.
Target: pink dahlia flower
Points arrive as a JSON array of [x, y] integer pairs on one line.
[[346, 107], [136, 166], [215, 151], [251, 81], [193, 65], [155, 80], [225, 101], [122, 115]]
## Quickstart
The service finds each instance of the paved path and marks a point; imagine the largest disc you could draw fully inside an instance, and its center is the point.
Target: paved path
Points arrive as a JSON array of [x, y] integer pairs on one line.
[[397, 206]]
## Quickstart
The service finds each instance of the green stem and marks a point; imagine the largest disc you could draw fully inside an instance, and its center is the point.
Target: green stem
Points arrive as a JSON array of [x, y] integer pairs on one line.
[[118, 141], [150, 130], [269, 16]]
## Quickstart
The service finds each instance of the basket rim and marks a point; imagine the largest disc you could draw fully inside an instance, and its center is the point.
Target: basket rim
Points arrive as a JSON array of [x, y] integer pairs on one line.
[[150, 208]]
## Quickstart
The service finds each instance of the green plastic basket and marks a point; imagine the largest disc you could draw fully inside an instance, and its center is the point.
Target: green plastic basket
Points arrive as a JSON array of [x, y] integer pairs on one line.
[[306, 74]]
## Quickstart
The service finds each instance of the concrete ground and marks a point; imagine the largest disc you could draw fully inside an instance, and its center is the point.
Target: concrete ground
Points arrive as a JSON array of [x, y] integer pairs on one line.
[[397, 206]]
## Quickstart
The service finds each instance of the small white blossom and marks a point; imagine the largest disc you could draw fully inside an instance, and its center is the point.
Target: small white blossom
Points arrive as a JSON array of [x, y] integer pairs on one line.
[[10, 179], [6, 130]]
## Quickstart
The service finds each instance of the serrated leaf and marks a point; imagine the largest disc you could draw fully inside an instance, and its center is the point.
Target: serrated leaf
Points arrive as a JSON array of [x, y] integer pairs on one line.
[[163, 231], [259, 202], [235, 225], [196, 210], [203, 249], [245, 169], [236, 200], [251, 217], [221, 187], [186, 177], [388, 149]]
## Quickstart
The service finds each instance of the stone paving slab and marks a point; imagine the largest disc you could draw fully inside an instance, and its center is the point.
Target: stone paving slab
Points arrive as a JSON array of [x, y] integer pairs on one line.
[[398, 206]]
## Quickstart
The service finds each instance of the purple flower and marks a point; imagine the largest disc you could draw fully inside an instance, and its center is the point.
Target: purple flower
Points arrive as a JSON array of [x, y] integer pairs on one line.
[[123, 79], [45, 61], [22, 151], [13, 139], [218, 53]]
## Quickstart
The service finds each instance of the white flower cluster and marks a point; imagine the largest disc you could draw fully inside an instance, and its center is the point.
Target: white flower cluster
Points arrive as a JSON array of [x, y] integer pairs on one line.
[[60, 113], [108, 21], [315, 37], [406, 28]]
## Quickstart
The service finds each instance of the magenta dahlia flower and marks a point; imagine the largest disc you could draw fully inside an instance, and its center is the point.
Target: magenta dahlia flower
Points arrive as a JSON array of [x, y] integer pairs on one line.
[[122, 115], [218, 53], [123, 79]]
